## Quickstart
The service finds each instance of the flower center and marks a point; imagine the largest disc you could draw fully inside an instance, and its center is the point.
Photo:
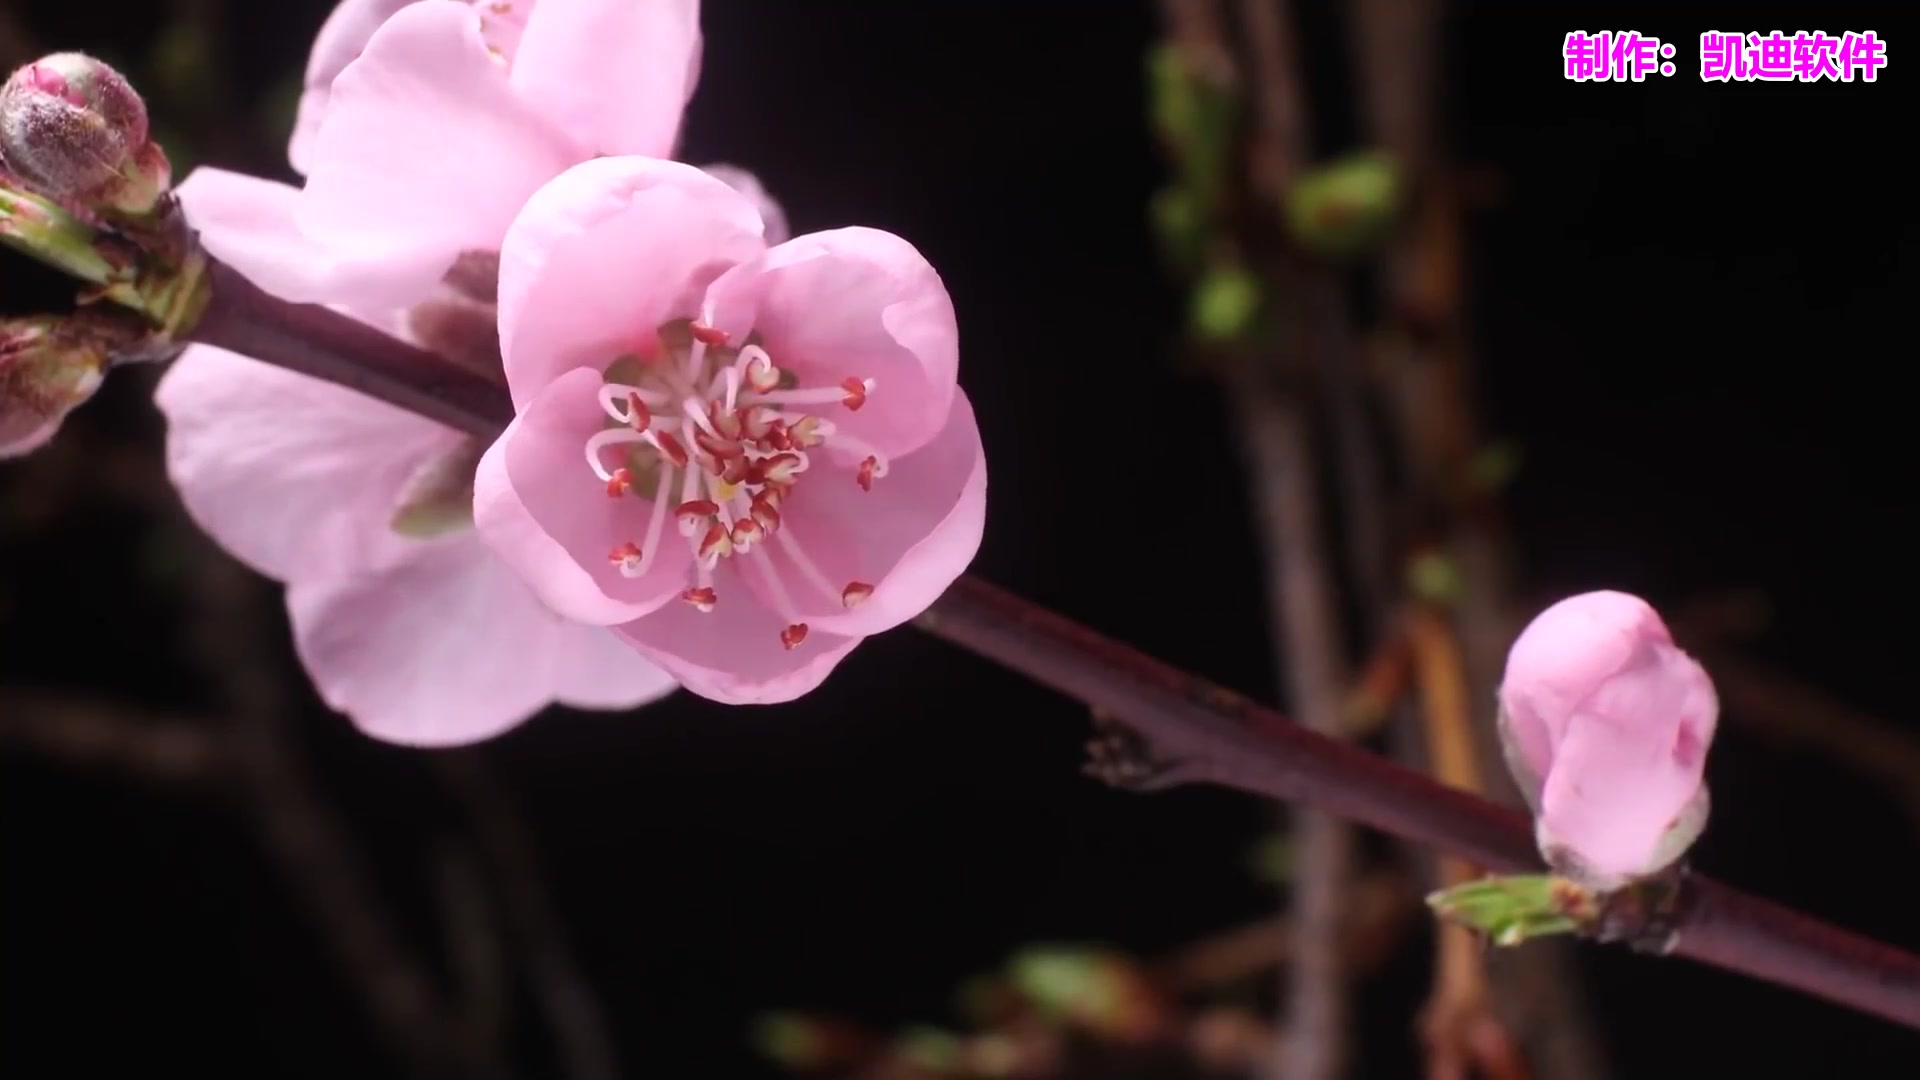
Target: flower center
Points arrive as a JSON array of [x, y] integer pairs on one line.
[[720, 436]]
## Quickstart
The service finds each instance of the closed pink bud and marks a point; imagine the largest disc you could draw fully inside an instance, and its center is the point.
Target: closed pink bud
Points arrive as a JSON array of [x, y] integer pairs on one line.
[[48, 365], [73, 128], [1606, 725]]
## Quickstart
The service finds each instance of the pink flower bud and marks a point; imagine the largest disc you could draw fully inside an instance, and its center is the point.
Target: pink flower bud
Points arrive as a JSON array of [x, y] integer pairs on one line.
[[74, 129], [1606, 725], [49, 364]]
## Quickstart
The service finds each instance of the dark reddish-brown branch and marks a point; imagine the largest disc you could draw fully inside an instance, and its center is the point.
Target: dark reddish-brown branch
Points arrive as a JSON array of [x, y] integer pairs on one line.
[[316, 341], [1211, 734]]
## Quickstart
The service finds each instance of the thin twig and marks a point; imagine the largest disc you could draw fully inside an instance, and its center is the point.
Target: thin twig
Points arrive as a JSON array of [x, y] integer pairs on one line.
[[306, 837], [160, 749], [314, 340], [1398, 63], [573, 1011], [1459, 1027], [1382, 904], [1280, 472]]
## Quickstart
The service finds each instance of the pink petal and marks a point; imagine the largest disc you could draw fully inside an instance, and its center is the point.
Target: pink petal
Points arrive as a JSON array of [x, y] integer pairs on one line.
[[540, 507], [772, 215], [1610, 799], [448, 647], [341, 38], [248, 223], [733, 653], [295, 477], [425, 151], [23, 433], [854, 302], [909, 537], [613, 74], [604, 255], [595, 668]]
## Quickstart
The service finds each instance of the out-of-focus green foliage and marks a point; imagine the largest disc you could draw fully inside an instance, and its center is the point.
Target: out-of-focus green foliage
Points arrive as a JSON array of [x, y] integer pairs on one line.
[[1196, 122], [1343, 208], [1224, 304]]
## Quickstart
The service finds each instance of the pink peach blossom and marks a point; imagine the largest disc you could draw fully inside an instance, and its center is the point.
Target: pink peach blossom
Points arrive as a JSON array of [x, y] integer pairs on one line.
[[424, 127], [790, 412], [1606, 724], [405, 620]]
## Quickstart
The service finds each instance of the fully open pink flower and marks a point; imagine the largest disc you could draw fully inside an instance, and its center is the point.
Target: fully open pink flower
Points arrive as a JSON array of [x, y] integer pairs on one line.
[[746, 458], [1606, 724], [405, 620], [424, 127]]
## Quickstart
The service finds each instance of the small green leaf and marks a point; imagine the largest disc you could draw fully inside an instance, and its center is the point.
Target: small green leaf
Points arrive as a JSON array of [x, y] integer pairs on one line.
[[789, 1039], [1180, 226], [1069, 981], [1435, 579], [1195, 119], [1171, 94], [1494, 466], [438, 498], [1341, 209], [1513, 909], [931, 1049], [1225, 302]]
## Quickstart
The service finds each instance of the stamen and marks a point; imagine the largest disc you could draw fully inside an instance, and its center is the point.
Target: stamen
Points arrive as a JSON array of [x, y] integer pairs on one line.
[[697, 352], [623, 402], [757, 367], [702, 597], [809, 431], [620, 482], [855, 594], [746, 533], [808, 568], [765, 508], [709, 335], [627, 557], [796, 631], [668, 446], [695, 515], [657, 520], [693, 410], [716, 544], [610, 437], [782, 468], [870, 469], [851, 392]]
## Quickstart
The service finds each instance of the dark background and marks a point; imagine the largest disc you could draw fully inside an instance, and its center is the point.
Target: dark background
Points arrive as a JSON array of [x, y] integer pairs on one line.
[[1693, 309]]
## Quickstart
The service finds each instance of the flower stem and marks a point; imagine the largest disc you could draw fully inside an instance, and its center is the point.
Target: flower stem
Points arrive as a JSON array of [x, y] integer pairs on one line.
[[316, 341], [1216, 735]]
